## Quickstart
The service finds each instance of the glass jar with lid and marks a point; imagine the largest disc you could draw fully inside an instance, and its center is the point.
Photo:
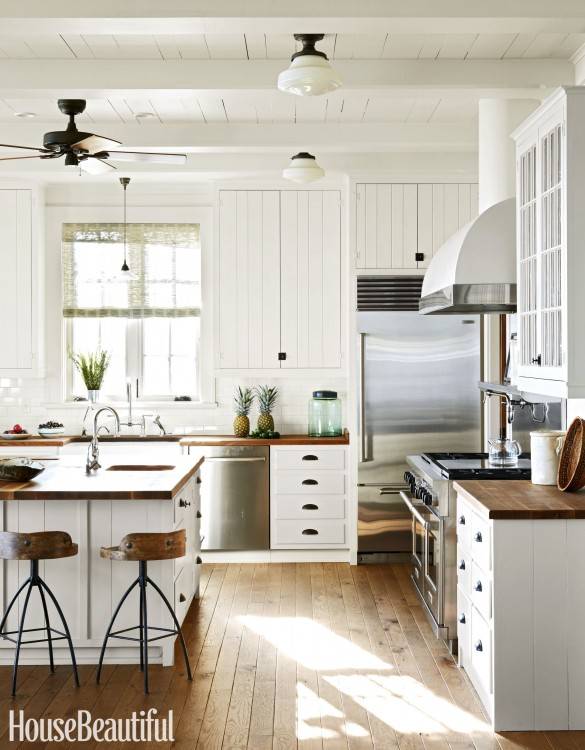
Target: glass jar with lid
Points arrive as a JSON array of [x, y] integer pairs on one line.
[[325, 415]]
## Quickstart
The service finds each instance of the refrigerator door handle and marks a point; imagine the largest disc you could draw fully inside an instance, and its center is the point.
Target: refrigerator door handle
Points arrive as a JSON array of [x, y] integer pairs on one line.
[[362, 398]]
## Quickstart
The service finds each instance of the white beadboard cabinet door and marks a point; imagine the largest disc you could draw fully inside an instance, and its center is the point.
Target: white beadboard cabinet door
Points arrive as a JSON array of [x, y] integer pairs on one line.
[[310, 285], [249, 270], [401, 226], [16, 288]]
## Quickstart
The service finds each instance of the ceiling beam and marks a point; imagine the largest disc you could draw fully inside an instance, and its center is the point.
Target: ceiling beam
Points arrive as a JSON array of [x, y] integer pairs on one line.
[[267, 16], [214, 138], [409, 78]]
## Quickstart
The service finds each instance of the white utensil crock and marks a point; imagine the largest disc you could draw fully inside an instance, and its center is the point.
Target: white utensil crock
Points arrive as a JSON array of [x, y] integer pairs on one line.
[[545, 449]]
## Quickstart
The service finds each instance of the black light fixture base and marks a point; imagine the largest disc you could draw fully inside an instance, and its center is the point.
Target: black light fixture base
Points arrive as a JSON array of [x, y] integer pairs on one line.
[[309, 41], [71, 107]]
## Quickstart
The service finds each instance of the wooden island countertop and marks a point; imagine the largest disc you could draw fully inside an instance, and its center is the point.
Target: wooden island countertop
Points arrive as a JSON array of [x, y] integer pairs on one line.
[[65, 479], [519, 499]]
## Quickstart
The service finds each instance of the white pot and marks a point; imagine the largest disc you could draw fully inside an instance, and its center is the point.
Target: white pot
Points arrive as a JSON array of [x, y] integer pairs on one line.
[[545, 449], [93, 396]]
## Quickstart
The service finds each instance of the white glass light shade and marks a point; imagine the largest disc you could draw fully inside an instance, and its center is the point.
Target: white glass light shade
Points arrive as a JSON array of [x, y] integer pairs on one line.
[[309, 75], [303, 167]]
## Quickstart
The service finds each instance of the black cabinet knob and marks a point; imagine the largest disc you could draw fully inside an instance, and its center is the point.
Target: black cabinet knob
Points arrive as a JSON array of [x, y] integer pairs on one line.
[[462, 619], [478, 537], [198, 514], [198, 480], [462, 565], [198, 560], [479, 646], [461, 520], [184, 503], [182, 598], [478, 586]]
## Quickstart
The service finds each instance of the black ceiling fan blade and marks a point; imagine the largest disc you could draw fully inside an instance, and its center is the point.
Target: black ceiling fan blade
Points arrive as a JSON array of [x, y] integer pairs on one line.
[[153, 158], [95, 143], [93, 165], [25, 148], [13, 158]]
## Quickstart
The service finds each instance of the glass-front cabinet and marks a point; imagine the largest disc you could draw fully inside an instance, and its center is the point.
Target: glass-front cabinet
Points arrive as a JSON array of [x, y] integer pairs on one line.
[[550, 229]]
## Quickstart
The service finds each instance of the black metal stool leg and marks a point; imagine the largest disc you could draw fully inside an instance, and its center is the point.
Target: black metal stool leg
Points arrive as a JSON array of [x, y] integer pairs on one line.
[[12, 603], [141, 632], [19, 639], [144, 612], [177, 626], [48, 626], [111, 625], [65, 628]]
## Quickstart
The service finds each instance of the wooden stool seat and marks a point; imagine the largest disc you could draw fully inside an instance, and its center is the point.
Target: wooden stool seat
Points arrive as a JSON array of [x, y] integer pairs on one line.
[[143, 548], [148, 546], [36, 545]]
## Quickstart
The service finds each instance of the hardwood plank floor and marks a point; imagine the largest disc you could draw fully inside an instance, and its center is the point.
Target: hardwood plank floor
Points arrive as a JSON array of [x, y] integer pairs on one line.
[[290, 657]]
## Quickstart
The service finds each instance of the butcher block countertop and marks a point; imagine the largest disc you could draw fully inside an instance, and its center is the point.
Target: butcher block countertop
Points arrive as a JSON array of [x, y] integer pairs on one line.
[[65, 479], [519, 499], [38, 442], [230, 440]]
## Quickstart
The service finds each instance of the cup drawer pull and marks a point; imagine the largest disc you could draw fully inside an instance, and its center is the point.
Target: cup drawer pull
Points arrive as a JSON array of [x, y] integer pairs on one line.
[[310, 457], [309, 481], [310, 506], [310, 532]]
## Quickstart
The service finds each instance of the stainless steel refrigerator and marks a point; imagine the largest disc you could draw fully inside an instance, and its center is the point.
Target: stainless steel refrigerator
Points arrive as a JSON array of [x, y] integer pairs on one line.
[[418, 393]]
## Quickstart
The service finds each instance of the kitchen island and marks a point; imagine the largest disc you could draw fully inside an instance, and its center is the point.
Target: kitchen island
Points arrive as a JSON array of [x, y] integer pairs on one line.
[[521, 602], [126, 495]]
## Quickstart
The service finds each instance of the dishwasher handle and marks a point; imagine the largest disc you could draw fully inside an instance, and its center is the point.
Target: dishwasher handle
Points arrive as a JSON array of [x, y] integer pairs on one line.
[[230, 460]]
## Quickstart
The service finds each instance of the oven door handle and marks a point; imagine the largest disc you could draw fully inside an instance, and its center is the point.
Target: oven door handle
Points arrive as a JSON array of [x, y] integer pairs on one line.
[[413, 510]]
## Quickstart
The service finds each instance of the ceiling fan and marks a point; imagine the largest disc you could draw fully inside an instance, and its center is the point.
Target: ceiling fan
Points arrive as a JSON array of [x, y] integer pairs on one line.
[[87, 151]]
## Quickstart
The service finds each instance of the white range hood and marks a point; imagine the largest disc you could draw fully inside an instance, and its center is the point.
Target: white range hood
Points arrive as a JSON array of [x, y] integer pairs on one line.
[[475, 270]]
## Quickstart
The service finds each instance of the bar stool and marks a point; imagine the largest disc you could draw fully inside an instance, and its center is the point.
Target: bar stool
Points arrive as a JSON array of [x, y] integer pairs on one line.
[[38, 545], [143, 548]]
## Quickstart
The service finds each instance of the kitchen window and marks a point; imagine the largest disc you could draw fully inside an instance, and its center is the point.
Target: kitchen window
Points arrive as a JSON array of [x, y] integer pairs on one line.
[[150, 321]]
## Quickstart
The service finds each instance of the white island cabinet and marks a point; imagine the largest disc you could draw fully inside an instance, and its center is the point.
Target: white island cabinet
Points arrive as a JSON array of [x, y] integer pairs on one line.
[[520, 601], [97, 512]]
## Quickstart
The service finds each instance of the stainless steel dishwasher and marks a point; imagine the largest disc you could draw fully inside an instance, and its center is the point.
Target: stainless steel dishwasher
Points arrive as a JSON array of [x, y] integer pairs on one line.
[[235, 504]]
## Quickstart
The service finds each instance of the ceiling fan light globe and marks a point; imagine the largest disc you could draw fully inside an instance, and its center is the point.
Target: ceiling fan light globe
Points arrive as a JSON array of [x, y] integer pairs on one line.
[[303, 168], [309, 75]]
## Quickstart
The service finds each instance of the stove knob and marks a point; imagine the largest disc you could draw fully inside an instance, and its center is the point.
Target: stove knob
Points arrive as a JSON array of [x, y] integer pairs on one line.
[[428, 498]]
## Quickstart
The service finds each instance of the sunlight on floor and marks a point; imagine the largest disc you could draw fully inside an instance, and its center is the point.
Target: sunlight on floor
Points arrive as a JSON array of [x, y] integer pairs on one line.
[[362, 680]]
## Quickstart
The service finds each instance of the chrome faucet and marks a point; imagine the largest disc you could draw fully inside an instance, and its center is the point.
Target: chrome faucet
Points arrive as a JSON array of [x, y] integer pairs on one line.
[[92, 462]]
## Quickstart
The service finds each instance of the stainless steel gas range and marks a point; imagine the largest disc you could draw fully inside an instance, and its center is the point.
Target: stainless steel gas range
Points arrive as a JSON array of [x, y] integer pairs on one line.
[[431, 500]]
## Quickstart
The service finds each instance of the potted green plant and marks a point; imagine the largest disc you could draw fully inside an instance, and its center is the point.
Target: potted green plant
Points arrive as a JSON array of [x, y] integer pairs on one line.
[[92, 368]]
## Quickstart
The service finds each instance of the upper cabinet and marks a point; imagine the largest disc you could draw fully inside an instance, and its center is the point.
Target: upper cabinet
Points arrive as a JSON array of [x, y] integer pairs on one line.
[[401, 226], [279, 280], [550, 147], [20, 307]]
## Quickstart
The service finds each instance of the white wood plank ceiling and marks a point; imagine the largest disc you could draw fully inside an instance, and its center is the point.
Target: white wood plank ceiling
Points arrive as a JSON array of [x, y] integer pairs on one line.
[[273, 108], [280, 46]]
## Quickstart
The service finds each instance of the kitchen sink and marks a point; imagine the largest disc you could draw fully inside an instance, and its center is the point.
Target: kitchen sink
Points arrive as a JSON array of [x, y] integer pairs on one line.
[[140, 467]]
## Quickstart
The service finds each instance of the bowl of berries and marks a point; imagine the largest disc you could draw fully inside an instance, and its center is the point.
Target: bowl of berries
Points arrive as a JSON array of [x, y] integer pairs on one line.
[[17, 432], [50, 429]]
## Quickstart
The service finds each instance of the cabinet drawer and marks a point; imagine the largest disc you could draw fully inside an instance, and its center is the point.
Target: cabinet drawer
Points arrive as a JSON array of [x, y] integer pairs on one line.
[[481, 650], [309, 483], [464, 569], [309, 533], [481, 542], [183, 592], [463, 629], [308, 507], [464, 515], [481, 591], [309, 458]]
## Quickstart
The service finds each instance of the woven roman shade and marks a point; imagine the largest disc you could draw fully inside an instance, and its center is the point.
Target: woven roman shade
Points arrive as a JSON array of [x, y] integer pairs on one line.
[[164, 278]]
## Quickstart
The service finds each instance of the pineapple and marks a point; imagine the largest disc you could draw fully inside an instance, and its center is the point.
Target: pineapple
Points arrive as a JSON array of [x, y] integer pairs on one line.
[[243, 399], [266, 396]]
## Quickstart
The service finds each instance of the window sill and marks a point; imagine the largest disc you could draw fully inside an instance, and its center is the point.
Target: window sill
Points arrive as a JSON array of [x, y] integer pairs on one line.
[[138, 405]]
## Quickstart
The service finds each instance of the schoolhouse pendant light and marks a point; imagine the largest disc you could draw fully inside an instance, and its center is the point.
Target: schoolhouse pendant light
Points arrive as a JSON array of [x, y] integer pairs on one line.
[[309, 73], [125, 181], [303, 167]]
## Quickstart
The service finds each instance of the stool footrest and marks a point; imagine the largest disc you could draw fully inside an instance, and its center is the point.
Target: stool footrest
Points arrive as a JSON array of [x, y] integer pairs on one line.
[[166, 631], [60, 635]]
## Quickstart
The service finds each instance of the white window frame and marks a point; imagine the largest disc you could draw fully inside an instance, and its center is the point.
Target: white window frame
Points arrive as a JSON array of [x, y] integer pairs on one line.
[[148, 215]]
